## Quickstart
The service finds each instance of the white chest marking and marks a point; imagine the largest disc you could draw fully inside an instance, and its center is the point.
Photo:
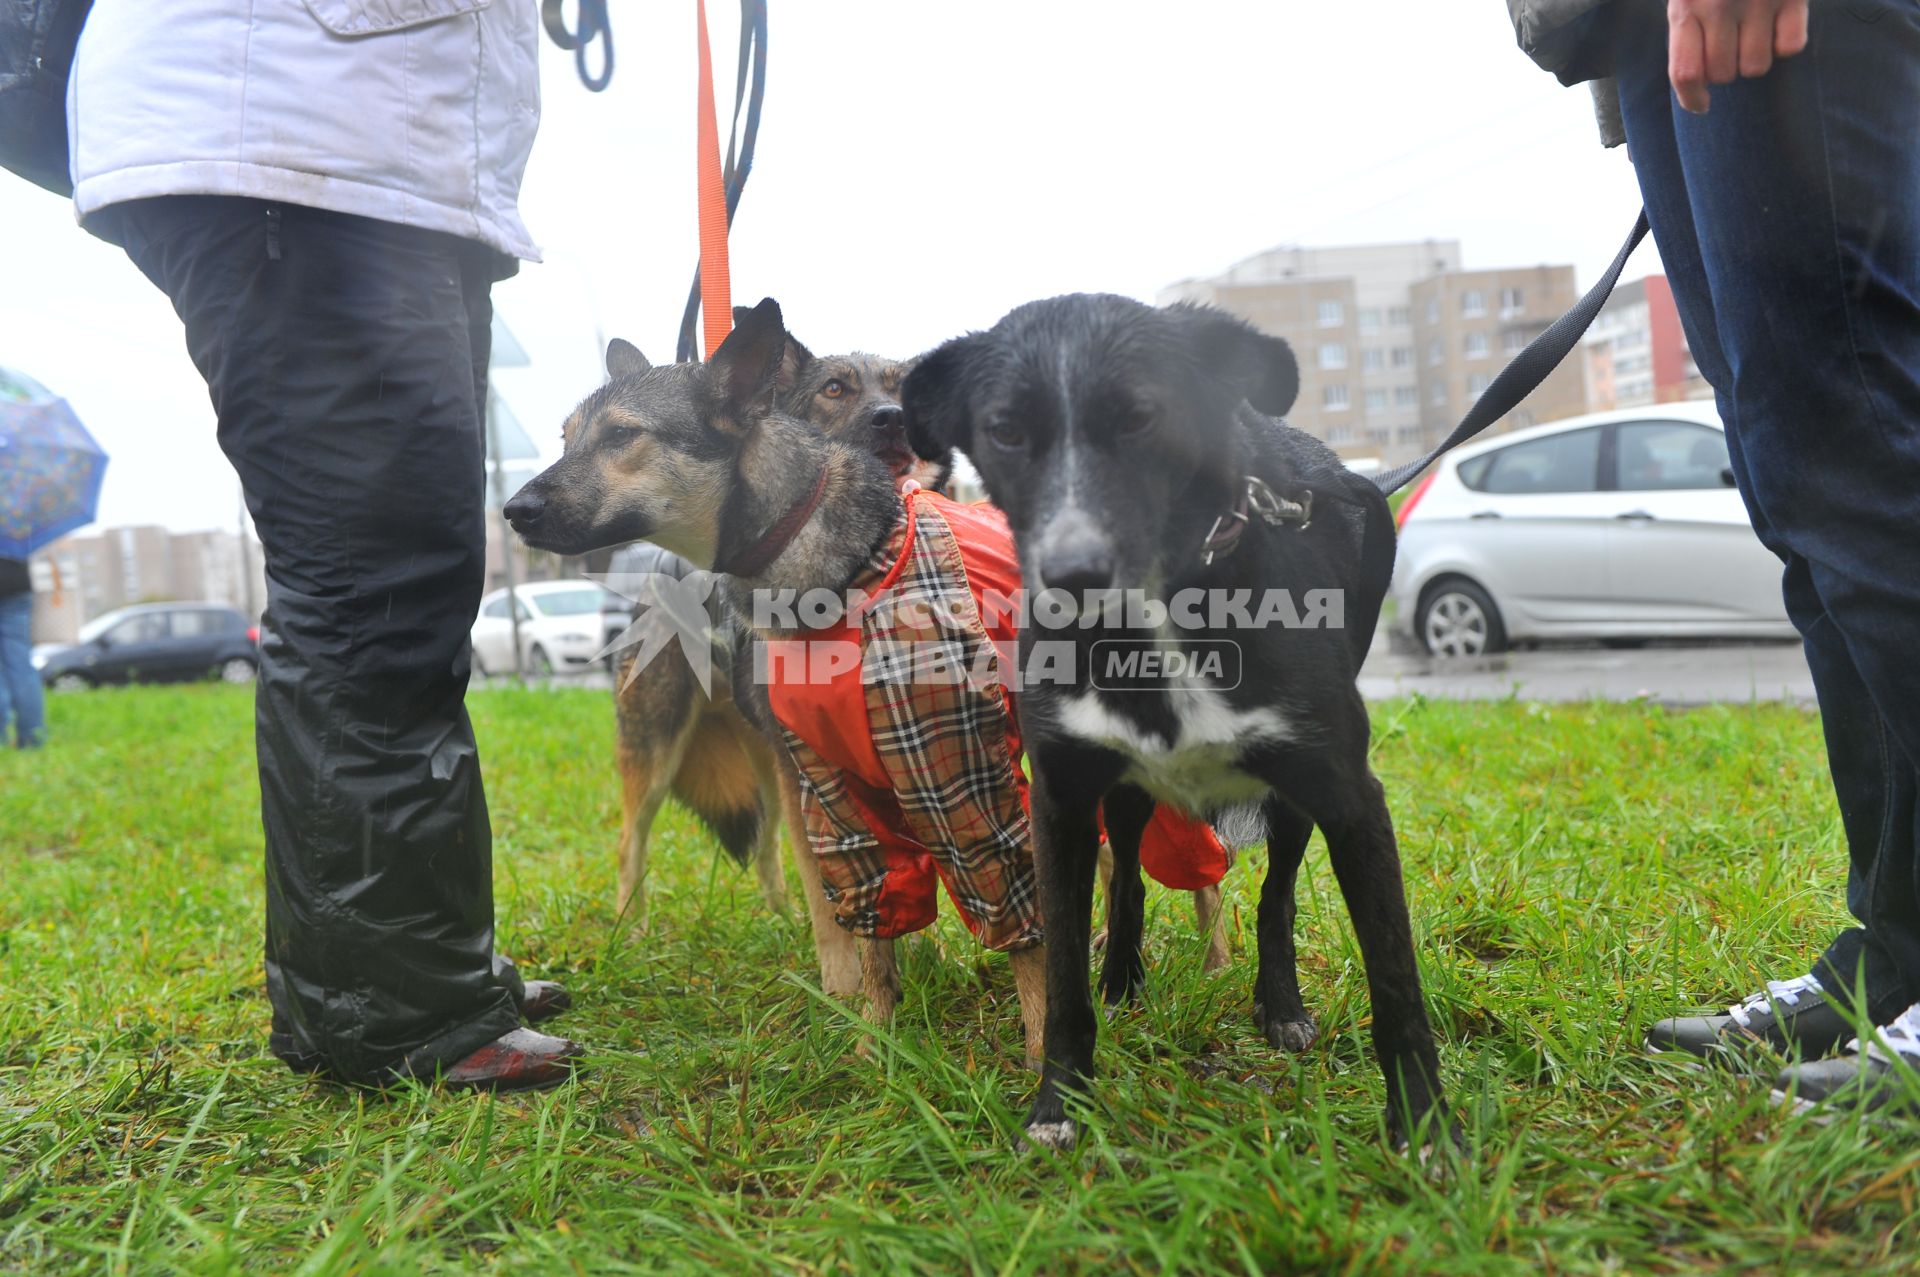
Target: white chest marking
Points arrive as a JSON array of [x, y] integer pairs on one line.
[[1196, 771]]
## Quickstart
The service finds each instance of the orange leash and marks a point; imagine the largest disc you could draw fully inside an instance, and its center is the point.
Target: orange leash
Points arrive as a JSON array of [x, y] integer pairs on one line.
[[716, 287]]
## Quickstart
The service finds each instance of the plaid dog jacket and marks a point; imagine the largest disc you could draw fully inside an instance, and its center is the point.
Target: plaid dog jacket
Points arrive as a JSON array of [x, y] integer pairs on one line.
[[907, 740]]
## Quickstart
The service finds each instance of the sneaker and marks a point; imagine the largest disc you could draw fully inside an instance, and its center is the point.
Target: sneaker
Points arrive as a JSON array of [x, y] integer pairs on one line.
[[1878, 1079], [1788, 1016]]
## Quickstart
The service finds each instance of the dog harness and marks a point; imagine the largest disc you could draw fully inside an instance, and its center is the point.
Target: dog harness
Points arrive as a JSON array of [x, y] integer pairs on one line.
[[907, 740]]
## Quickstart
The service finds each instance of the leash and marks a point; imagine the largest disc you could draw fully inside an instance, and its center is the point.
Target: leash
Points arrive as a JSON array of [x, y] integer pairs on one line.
[[593, 26], [1529, 368], [1516, 381], [720, 188], [714, 277]]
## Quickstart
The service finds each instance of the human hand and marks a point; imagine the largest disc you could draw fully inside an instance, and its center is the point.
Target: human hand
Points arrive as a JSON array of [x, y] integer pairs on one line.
[[1720, 41]]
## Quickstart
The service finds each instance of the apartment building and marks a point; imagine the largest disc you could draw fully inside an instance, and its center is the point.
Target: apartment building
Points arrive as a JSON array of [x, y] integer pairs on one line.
[[1394, 339], [1469, 324], [80, 577], [1636, 352]]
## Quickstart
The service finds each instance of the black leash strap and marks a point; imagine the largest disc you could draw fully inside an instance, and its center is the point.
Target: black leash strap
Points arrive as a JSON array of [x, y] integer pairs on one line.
[[1529, 368], [752, 70], [593, 26]]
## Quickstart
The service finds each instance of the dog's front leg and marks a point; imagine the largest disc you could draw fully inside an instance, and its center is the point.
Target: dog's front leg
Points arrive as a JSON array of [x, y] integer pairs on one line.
[[1207, 911], [1278, 1010], [880, 977], [1066, 847], [1030, 984]]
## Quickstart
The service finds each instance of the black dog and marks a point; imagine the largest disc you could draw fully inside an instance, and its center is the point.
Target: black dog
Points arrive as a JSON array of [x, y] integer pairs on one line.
[[1130, 449]]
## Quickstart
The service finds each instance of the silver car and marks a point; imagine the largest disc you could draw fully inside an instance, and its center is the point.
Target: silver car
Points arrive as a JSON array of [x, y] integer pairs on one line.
[[1615, 526]]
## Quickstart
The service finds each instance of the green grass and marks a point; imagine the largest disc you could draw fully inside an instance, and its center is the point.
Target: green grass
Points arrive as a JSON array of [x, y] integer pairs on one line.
[[1574, 872]]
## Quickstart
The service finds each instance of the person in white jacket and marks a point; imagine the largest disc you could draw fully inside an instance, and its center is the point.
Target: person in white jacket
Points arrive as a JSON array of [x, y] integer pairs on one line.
[[326, 189]]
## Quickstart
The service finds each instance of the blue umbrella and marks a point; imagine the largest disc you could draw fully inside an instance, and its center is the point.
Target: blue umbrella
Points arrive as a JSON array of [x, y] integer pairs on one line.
[[50, 467]]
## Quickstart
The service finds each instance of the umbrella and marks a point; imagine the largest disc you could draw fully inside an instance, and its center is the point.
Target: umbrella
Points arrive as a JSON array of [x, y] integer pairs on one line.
[[50, 467]]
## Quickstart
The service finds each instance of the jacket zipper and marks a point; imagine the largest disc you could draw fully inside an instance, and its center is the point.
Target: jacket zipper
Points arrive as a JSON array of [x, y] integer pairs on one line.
[[273, 234]]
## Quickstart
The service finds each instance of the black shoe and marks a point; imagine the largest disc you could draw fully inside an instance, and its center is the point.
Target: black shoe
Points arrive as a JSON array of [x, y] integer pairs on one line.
[[1791, 1017], [1881, 1076]]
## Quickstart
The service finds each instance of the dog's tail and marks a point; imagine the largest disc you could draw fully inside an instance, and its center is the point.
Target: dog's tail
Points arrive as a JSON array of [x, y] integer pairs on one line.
[[718, 783]]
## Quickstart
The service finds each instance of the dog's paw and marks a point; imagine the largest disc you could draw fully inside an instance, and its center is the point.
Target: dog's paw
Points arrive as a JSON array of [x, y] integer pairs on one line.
[[1442, 1142], [1292, 1036], [1057, 1136]]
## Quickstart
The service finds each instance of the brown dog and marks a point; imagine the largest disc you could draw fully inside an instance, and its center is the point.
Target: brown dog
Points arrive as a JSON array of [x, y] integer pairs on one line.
[[713, 751]]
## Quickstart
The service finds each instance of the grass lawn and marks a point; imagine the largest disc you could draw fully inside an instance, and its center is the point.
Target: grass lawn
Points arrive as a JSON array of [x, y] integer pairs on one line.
[[1574, 873]]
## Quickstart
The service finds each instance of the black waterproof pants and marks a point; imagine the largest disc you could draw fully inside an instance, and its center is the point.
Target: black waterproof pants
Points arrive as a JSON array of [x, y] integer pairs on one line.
[[347, 361]]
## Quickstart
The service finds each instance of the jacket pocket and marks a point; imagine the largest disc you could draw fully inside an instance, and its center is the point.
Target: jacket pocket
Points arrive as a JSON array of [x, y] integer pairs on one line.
[[372, 17]]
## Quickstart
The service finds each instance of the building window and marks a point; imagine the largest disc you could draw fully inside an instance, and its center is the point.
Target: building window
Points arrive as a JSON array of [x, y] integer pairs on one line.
[[1512, 301], [1332, 314], [1334, 397], [1513, 341], [1433, 311], [1373, 359], [1439, 396], [1403, 356], [1369, 319], [1406, 396], [1333, 356], [1476, 345], [1473, 303], [1340, 434], [1377, 399], [1435, 353], [1379, 436], [1400, 316], [1477, 384], [1410, 434]]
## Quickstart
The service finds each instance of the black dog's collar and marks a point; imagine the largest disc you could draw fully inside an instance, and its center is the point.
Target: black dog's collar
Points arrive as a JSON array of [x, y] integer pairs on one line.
[[1256, 498]]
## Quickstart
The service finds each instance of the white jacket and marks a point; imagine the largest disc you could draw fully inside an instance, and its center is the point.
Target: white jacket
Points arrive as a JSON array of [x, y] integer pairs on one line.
[[420, 112]]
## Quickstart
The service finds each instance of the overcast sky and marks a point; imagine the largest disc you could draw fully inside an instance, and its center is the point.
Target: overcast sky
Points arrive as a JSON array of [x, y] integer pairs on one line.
[[921, 169]]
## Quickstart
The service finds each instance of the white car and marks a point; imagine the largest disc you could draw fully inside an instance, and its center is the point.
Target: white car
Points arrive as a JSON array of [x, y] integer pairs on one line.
[[561, 628], [1616, 526]]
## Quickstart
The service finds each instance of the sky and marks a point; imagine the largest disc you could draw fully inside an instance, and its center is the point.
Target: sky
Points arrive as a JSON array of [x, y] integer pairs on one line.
[[921, 170]]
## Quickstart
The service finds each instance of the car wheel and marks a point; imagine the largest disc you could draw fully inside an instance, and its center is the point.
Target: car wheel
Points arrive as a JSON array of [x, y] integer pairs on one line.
[[1458, 618], [538, 663], [71, 683], [238, 669]]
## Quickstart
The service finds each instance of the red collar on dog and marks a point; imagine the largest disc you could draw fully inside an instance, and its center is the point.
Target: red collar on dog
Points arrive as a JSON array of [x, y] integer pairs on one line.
[[1255, 498], [756, 557]]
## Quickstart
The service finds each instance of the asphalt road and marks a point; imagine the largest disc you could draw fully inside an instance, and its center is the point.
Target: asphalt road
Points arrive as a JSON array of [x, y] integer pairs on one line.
[[1691, 674]]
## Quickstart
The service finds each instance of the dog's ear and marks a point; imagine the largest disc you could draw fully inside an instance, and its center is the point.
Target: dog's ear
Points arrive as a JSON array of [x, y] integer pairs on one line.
[[934, 398], [624, 359], [796, 357], [1260, 368], [745, 370], [792, 362]]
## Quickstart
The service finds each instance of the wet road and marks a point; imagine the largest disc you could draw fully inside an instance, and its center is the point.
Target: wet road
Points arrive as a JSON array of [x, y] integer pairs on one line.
[[1692, 674]]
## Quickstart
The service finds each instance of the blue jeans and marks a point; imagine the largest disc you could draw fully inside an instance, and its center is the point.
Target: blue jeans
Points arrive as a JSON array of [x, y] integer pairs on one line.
[[1788, 217], [20, 698]]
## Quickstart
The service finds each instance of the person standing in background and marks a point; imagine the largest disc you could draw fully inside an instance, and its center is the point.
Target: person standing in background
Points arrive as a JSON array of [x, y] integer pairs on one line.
[[1776, 147], [327, 191], [21, 701]]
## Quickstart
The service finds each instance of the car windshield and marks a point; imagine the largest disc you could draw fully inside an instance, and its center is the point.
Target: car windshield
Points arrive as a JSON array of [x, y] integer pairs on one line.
[[568, 602], [101, 624]]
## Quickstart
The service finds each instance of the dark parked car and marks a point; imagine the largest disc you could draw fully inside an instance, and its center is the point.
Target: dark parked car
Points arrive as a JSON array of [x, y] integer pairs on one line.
[[157, 643]]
